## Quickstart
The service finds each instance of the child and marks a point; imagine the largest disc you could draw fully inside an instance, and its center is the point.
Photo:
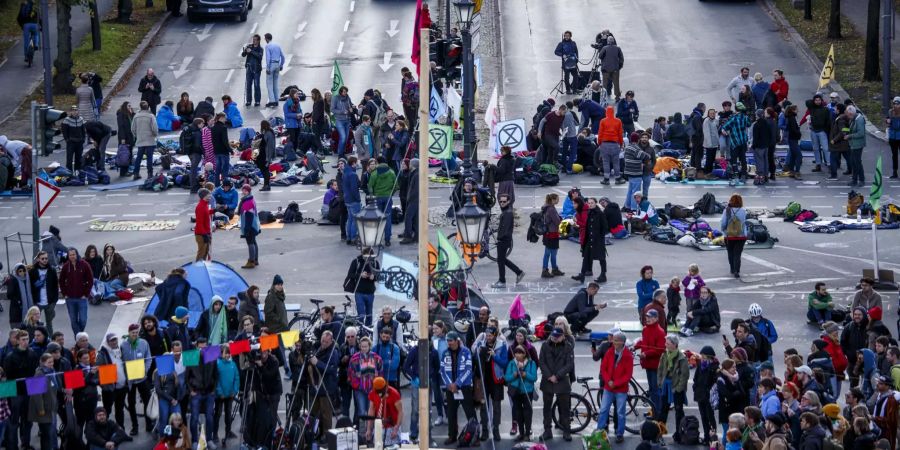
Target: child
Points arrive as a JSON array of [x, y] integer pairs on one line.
[[692, 284], [673, 294], [733, 439]]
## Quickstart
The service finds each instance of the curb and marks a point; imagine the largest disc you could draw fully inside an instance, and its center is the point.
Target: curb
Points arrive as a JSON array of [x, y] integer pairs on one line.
[[800, 44], [120, 78]]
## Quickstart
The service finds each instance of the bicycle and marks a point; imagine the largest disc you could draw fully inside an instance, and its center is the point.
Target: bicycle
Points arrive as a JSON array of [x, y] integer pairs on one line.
[[306, 322], [584, 409], [486, 249]]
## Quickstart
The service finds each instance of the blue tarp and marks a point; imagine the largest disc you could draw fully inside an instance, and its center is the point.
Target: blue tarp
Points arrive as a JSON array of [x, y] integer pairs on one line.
[[207, 278]]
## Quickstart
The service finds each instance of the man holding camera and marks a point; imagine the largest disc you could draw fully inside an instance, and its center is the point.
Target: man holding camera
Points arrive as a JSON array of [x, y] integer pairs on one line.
[[568, 51], [327, 398], [253, 54]]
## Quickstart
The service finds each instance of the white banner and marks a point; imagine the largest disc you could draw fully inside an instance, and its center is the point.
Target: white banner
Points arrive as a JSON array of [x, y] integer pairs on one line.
[[510, 133], [398, 278]]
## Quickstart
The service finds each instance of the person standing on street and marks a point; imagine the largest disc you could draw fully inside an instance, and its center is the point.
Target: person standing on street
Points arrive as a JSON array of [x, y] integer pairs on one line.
[[192, 144], [610, 139], [819, 129], [350, 189], [409, 97], [557, 360], [74, 134], [857, 138], [145, 131], [201, 381], [504, 243], [266, 153], [611, 62], [550, 239], [202, 227], [893, 122], [627, 111], [75, 282], [274, 312], [84, 99], [735, 129], [221, 148], [342, 109], [136, 348], [363, 272], [21, 362], [253, 56], [635, 160], [456, 379], [411, 213], [44, 287], [734, 226], [382, 184], [734, 87], [762, 138], [567, 50], [150, 89], [549, 132], [249, 225], [710, 140], [274, 66], [594, 245], [616, 369], [672, 379]]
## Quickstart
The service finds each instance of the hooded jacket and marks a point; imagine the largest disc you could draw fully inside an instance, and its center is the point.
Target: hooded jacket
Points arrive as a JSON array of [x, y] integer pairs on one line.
[[275, 312], [610, 128], [350, 185], [137, 349], [165, 118], [248, 306], [677, 134], [819, 117], [172, 293], [762, 134], [233, 115], [18, 291], [75, 278], [854, 338], [556, 359], [382, 181]]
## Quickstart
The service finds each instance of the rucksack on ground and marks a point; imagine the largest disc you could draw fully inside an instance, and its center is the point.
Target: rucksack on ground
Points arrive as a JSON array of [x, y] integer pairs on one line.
[[678, 211], [791, 211], [549, 168], [549, 179], [854, 201], [123, 156], [468, 437], [689, 431], [708, 204], [757, 232]]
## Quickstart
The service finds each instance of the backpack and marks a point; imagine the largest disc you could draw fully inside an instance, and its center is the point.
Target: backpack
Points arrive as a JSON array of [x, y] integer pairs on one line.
[[854, 201], [549, 179], [708, 204], [396, 215], [678, 211], [757, 232], [791, 211], [123, 156], [409, 95], [468, 437], [689, 431], [186, 140], [663, 235], [537, 227], [26, 14], [548, 168], [733, 227], [266, 217], [292, 213], [598, 440], [311, 178], [380, 115]]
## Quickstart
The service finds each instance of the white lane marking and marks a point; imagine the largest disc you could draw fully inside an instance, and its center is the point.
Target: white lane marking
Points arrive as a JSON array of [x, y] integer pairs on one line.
[[183, 69], [835, 255], [177, 193], [166, 214], [84, 195], [300, 31], [340, 47], [253, 29], [311, 200], [767, 264], [392, 31], [103, 215], [346, 26], [228, 77], [117, 195], [151, 244], [784, 283], [69, 217], [263, 9], [287, 65], [134, 215], [205, 33], [352, 5]]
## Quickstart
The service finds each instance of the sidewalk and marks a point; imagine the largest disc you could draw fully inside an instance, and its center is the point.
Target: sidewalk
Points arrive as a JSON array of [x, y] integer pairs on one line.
[[857, 13], [17, 81]]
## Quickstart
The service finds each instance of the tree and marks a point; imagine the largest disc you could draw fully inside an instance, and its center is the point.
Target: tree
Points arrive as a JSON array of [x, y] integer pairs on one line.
[[834, 20], [807, 9], [62, 80], [871, 69]]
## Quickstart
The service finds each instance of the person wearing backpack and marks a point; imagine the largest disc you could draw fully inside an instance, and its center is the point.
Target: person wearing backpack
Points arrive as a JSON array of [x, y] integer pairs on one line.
[[734, 226], [30, 21], [550, 239]]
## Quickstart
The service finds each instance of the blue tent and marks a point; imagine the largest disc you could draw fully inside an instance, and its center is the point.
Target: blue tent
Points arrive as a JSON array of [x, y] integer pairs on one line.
[[207, 278]]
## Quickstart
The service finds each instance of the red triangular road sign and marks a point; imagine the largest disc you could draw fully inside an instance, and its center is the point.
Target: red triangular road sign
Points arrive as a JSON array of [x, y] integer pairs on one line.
[[44, 193]]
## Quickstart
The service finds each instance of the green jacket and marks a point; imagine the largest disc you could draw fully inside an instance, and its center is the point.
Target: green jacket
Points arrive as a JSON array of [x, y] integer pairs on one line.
[[820, 303], [679, 371], [381, 181], [857, 135]]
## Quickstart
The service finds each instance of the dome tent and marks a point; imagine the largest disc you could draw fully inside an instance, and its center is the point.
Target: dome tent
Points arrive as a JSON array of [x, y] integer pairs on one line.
[[207, 278]]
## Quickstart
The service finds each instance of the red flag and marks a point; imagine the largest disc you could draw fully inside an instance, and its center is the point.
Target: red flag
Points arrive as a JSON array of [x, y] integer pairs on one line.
[[416, 42], [74, 379], [239, 347]]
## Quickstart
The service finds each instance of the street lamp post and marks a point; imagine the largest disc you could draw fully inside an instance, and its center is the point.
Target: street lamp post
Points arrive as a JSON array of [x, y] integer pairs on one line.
[[470, 222], [464, 10], [370, 222]]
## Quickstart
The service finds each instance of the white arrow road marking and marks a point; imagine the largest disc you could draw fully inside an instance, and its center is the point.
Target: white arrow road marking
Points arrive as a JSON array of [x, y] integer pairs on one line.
[[183, 70], [387, 62], [392, 31], [287, 63], [300, 31], [228, 77], [205, 33]]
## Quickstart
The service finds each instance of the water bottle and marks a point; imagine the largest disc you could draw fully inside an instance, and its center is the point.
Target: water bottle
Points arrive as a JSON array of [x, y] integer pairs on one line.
[[858, 215]]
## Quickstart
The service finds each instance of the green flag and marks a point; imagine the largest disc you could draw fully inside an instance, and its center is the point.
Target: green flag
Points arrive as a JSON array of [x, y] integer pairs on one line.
[[448, 256], [8, 389], [877, 186], [337, 79], [190, 358], [440, 141]]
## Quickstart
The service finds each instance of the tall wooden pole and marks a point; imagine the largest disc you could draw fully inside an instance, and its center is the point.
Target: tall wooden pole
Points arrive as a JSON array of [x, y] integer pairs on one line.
[[424, 281]]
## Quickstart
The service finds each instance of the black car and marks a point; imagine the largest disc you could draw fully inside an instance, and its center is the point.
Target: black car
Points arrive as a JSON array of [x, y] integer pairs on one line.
[[239, 8]]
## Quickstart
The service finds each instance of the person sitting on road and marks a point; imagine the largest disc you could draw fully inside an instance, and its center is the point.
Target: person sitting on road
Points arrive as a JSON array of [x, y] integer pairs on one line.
[[819, 305], [645, 210], [581, 309], [613, 218], [866, 295], [166, 120], [703, 314], [226, 199], [232, 114]]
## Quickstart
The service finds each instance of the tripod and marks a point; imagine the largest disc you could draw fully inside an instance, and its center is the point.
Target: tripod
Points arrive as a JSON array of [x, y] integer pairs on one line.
[[560, 88], [594, 62]]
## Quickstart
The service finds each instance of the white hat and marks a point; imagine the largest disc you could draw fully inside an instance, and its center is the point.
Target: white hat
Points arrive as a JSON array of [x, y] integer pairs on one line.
[[3, 140], [804, 369], [834, 95], [896, 100]]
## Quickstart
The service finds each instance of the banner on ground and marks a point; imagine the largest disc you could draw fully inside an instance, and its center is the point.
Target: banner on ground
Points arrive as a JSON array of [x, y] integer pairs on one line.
[[510, 133]]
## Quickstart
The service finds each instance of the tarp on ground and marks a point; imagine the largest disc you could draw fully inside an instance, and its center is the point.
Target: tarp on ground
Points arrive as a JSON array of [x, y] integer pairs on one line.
[[207, 278]]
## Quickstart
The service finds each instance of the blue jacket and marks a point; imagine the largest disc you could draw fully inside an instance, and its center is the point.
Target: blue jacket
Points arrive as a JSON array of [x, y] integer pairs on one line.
[[767, 328], [229, 198], [229, 381], [566, 48], [769, 404], [627, 111], [234, 115], [591, 112], [568, 209], [523, 383], [400, 142], [350, 185], [463, 368], [759, 91], [164, 118], [645, 289], [390, 356], [894, 128], [411, 367], [292, 117]]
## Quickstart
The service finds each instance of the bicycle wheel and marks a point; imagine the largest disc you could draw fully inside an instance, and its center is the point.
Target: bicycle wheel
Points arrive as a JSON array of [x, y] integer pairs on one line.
[[581, 413], [302, 322], [639, 409]]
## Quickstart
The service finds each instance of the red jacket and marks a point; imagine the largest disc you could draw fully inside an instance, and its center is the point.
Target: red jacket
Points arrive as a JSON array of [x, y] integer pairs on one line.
[[838, 358], [202, 215], [610, 128], [76, 280], [652, 345], [780, 88], [619, 374], [581, 221]]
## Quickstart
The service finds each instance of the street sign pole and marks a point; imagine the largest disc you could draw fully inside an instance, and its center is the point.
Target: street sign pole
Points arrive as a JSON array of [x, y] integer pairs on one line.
[[36, 148], [424, 349], [45, 55]]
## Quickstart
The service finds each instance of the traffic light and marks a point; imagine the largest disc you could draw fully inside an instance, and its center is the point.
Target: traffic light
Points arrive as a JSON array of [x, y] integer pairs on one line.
[[47, 118]]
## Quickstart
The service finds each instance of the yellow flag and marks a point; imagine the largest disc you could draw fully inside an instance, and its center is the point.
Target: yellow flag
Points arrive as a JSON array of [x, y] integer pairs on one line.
[[135, 369], [827, 69], [289, 338]]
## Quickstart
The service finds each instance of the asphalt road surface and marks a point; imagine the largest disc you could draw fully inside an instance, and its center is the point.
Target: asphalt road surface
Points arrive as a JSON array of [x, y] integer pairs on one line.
[[688, 59]]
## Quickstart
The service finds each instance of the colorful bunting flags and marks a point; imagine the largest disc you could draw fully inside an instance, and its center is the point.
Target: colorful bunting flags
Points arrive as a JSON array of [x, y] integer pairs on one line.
[[268, 342], [289, 338], [135, 369], [74, 379], [108, 374], [239, 347], [191, 358], [8, 389], [211, 353], [36, 385], [165, 365]]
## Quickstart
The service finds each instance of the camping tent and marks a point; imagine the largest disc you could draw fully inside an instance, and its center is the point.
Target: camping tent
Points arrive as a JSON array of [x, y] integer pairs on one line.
[[207, 278]]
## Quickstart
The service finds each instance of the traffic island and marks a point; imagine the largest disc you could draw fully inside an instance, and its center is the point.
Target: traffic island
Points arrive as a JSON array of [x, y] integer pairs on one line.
[[849, 52]]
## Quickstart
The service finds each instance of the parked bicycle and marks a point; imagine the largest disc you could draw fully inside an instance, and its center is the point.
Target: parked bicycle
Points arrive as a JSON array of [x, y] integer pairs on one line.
[[585, 409]]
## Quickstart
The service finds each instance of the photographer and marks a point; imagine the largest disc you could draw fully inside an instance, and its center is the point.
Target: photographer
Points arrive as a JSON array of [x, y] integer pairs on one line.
[[253, 54], [568, 51], [259, 420], [324, 379]]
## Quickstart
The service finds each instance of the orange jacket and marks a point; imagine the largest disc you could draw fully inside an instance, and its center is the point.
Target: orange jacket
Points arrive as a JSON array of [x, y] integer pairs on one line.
[[610, 128]]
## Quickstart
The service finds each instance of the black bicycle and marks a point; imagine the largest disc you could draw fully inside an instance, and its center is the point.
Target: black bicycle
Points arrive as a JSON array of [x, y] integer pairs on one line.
[[487, 248], [306, 322], [585, 409]]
